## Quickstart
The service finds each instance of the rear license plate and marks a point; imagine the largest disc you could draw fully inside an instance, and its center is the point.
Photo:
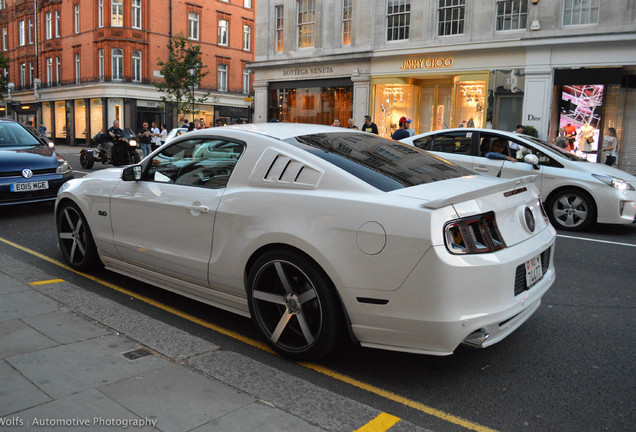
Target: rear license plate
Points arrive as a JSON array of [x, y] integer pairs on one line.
[[534, 271], [26, 187]]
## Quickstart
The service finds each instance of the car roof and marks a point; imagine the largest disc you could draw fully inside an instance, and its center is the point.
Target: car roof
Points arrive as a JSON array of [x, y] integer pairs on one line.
[[282, 131]]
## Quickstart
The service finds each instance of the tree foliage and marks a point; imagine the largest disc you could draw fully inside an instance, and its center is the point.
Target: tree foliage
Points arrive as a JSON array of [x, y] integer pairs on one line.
[[182, 73]]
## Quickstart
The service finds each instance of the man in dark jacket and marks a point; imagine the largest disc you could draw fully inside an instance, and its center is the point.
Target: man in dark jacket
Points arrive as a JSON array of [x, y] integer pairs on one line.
[[401, 132], [369, 126]]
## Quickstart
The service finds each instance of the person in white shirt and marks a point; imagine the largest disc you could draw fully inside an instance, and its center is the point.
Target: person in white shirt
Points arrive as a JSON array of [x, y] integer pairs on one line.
[[163, 135], [156, 133], [610, 144]]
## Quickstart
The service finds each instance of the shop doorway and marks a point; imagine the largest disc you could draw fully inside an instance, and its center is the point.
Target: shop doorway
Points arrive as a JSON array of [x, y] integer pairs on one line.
[[435, 108], [508, 111]]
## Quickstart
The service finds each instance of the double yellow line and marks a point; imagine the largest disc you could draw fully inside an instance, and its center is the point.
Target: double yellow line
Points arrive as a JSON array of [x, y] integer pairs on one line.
[[380, 423]]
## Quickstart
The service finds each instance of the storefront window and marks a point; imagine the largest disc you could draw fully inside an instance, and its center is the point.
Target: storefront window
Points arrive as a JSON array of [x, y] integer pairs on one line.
[[116, 112], [393, 101], [60, 119], [470, 102], [580, 116], [320, 105], [46, 117], [80, 119], [96, 116]]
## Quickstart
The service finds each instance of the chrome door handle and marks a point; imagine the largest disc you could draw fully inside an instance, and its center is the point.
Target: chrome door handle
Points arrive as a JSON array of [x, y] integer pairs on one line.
[[198, 208], [481, 169]]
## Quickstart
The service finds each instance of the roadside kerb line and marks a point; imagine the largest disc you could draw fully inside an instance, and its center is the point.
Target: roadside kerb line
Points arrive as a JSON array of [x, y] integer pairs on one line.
[[264, 347], [46, 282], [381, 423], [595, 240]]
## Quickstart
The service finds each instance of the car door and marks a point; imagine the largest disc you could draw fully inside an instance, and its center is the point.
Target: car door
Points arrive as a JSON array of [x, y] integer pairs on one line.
[[504, 168], [453, 146], [165, 221]]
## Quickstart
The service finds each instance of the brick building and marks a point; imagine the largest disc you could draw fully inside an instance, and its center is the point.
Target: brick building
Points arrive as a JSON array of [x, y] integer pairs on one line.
[[76, 65]]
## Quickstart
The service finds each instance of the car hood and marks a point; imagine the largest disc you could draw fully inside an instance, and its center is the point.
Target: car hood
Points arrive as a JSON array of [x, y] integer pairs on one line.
[[596, 168], [32, 157], [106, 174]]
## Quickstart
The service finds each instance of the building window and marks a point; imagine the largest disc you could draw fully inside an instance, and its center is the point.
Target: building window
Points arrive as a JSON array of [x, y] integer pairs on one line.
[[306, 21], [49, 71], [136, 14], [117, 13], [451, 17], [247, 37], [223, 37], [222, 77], [279, 28], [4, 39], [77, 68], [511, 14], [101, 64], [21, 34], [77, 19], [100, 13], [247, 4], [398, 19], [22, 74], [136, 63], [30, 32], [246, 81], [580, 12], [347, 10], [118, 64], [48, 25], [57, 23], [58, 70], [193, 25]]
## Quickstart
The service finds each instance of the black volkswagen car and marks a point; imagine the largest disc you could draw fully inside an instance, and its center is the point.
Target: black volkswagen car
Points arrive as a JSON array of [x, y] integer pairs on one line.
[[30, 170]]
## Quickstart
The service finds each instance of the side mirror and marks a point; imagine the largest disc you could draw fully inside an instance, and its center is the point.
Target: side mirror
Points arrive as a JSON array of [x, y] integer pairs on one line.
[[131, 173], [532, 160]]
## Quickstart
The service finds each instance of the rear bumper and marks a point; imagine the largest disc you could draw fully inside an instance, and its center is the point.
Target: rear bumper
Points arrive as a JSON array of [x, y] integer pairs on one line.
[[448, 298]]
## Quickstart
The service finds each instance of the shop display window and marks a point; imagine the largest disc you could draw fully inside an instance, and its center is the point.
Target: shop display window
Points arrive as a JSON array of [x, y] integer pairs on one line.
[[393, 101], [97, 115], [320, 105], [60, 119], [580, 117], [80, 119], [469, 104], [46, 117]]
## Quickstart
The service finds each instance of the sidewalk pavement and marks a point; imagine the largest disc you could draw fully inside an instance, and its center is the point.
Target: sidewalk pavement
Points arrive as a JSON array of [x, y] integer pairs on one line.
[[75, 361]]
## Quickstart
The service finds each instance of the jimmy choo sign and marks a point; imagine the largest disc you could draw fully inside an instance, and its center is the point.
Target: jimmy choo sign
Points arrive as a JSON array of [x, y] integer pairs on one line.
[[427, 63]]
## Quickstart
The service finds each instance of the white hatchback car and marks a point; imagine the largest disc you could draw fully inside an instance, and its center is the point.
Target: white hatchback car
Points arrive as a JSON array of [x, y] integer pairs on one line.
[[178, 131], [576, 193], [318, 232]]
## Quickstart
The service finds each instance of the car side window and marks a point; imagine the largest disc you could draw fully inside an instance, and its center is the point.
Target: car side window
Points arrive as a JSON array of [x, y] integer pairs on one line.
[[515, 149], [446, 143], [204, 163], [544, 159]]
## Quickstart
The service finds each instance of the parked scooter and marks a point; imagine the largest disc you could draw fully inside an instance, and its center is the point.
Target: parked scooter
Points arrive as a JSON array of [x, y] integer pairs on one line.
[[121, 150]]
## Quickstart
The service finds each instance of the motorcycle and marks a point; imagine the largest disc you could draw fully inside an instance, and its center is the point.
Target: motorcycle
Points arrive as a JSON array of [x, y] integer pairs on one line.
[[121, 150]]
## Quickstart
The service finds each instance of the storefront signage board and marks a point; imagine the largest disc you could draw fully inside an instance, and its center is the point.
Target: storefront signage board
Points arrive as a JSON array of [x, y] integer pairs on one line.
[[428, 63]]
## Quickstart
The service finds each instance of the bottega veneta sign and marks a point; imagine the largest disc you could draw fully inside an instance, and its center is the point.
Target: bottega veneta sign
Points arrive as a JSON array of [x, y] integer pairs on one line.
[[308, 71], [427, 63]]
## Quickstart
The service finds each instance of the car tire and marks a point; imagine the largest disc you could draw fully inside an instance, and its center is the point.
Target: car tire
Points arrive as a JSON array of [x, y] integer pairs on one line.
[[571, 209], [86, 159], [75, 239], [135, 158], [294, 305]]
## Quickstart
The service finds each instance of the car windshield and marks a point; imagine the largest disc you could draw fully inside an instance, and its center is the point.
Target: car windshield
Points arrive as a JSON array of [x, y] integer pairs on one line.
[[385, 164], [556, 149], [14, 135]]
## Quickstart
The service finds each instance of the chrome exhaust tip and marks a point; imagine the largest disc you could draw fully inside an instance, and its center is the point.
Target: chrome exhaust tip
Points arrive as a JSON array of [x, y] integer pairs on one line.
[[476, 339]]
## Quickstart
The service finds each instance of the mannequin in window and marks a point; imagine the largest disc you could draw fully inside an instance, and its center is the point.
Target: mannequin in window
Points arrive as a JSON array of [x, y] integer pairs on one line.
[[586, 138]]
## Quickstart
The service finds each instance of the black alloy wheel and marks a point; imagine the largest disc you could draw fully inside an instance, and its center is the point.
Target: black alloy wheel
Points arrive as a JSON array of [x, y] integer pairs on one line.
[[86, 159], [571, 209], [294, 305], [75, 239]]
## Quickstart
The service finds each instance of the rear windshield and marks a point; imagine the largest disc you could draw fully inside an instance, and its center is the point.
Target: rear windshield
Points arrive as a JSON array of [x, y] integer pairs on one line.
[[385, 164], [14, 135]]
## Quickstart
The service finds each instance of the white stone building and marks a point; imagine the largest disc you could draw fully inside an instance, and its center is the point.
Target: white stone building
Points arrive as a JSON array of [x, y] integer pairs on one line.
[[450, 63]]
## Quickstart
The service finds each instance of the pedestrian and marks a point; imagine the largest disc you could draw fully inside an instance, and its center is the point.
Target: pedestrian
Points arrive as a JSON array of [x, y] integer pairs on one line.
[[369, 126], [145, 139], [560, 141], [190, 126], [156, 133], [201, 124], [163, 135], [518, 129], [401, 132], [42, 129], [610, 144], [185, 123], [350, 124], [219, 123], [408, 128], [336, 123]]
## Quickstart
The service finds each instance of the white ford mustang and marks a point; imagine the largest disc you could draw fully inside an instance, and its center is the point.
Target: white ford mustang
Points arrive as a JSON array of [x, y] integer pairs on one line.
[[316, 232]]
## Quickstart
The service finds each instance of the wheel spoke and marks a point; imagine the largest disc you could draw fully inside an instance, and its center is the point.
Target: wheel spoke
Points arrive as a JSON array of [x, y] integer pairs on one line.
[[564, 201], [66, 236], [577, 202], [68, 219], [559, 213], [72, 253], [307, 296], [305, 328], [278, 331], [272, 298], [81, 248], [283, 277]]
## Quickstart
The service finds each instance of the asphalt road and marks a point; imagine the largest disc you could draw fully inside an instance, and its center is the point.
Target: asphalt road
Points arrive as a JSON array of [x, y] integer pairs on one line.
[[569, 368]]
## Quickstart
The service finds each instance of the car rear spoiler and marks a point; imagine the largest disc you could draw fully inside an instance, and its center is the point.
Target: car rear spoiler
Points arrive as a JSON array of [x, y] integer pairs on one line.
[[509, 185]]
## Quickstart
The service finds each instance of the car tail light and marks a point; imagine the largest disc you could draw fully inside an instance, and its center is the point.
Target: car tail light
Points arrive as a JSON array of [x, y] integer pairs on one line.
[[473, 235]]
